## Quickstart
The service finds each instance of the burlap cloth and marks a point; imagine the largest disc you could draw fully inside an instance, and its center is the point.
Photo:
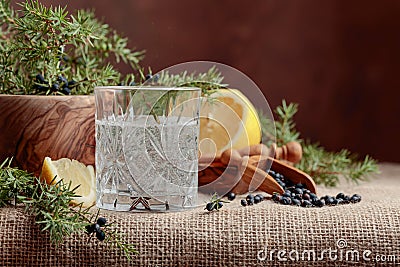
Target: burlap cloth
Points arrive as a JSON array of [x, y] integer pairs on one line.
[[234, 236]]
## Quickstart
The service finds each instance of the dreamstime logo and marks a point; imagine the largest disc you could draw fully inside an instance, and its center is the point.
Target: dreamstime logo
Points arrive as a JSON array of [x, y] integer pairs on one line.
[[342, 252], [341, 243]]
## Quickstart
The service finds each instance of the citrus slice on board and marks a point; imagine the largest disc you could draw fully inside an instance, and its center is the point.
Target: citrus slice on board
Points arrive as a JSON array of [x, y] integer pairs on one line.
[[75, 172], [228, 120]]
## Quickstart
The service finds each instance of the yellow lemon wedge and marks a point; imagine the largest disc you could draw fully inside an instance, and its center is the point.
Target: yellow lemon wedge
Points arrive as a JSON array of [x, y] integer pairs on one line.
[[228, 120], [75, 172]]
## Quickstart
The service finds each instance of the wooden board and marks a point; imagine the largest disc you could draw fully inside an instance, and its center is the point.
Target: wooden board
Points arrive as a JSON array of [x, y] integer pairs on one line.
[[33, 127]]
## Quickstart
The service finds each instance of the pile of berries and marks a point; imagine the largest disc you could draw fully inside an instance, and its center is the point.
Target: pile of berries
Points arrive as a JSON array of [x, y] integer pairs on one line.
[[96, 228], [62, 85], [299, 195], [295, 194], [292, 196]]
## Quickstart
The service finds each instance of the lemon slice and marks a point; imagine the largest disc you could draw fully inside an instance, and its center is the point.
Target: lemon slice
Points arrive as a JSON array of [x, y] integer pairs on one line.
[[75, 172], [228, 120]]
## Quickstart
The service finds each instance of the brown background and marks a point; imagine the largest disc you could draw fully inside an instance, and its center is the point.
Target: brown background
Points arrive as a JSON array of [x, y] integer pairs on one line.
[[338, 59]]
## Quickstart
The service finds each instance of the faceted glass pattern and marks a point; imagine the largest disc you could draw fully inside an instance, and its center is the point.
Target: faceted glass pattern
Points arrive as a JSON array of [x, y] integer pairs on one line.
[[146, 148]]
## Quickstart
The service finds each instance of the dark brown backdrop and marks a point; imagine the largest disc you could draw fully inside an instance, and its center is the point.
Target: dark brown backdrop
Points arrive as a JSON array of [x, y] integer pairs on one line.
[[338, 59]]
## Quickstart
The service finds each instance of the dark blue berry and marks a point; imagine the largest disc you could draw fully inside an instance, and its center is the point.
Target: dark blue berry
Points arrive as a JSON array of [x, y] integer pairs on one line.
[[231, 196], [210, 206], [340, 195], [282, 184], [286, 201], [100, 235], [71, 83], [62, 79], [40, 78], [346, 199], [306, 196], [101, 221], [65, 85], [90, 228], [243, 202], [275, 196], [325, 197], [298, 191], [313, 196], [219, 205], [329, 201], [250, 201], [260, 196], [66, 91], [286, 194], [306, 203], [148, 76], [275, 175], [296, 202], [290, 189], [257, 200], [55, 87], [319, 202], [250, 196], [298, 196], [355, 198], [278, 198], [299, 185]]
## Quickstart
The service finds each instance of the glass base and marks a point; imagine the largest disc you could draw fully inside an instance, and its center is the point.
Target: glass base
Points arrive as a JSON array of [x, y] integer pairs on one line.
[[125, 202]]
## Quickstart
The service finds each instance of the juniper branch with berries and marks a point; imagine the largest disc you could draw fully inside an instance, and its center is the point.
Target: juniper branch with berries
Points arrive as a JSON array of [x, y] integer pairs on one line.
[[50, 206], [49, 51], [215, 203]]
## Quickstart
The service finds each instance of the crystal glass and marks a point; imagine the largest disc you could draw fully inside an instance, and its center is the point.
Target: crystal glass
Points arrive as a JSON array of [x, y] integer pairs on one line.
[[146, 148]]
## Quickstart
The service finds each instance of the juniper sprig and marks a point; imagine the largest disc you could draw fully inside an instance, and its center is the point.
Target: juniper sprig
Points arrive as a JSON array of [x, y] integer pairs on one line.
[[325, 167], [50, 42], [50, 206]]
